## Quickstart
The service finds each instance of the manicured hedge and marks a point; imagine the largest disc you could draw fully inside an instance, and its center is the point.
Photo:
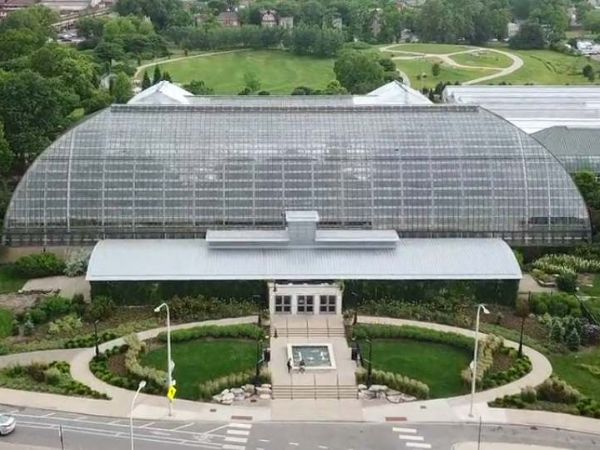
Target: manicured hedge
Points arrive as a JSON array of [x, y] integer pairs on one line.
[[481, 291], [90, 340], [215, 331], [155, 292], [374, 331]]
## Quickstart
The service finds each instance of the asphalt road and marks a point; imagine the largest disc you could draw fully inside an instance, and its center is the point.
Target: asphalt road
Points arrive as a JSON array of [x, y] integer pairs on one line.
[[42, 428]]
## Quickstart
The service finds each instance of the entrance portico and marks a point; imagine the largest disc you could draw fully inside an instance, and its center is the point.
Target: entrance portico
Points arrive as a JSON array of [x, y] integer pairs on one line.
[[305, 298]]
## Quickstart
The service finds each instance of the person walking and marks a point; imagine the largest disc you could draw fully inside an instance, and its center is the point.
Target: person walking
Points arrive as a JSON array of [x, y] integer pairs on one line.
[[302, 366], [289, 365]]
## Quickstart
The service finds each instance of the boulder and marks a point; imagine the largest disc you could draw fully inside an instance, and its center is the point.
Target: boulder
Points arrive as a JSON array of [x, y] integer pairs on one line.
[[266, 386], [224, 391], [249, 388], [217, 398], [237, 391], [227, 399], [362, 387], [263, 390], [378, 388], [265, 396]]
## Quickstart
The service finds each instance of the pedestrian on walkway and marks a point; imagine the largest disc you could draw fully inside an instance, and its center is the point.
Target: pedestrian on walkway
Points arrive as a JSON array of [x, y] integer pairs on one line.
[[289, 365], [302, 366]]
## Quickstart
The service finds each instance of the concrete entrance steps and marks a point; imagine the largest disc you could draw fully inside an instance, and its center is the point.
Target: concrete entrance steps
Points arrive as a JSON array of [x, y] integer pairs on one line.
[[307, 391], [309, 332]]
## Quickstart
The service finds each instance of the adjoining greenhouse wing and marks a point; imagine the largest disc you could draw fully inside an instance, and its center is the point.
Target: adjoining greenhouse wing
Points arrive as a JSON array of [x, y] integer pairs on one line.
[[578, 149]]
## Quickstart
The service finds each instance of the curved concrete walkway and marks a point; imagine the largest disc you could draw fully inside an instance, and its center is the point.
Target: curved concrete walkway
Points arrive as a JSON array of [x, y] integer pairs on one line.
[[446, 58]]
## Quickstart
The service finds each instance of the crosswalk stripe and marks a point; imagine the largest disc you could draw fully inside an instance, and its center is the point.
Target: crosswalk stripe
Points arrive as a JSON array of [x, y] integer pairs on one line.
[[411, 438], [404, 430], [236, 439], [239, 432], [418, 445], [246, 426], [233, 447]]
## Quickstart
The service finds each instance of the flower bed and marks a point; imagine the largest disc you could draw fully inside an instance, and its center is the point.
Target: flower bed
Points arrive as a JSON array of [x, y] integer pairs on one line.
[[54, 378]]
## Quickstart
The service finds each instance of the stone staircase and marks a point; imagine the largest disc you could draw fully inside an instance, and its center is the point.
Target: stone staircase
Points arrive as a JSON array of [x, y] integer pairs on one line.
[[310, 391]]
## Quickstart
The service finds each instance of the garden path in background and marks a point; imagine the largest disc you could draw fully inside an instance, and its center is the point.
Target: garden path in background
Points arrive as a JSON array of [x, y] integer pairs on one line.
[[446, 58], [158, 62], [528, 284]]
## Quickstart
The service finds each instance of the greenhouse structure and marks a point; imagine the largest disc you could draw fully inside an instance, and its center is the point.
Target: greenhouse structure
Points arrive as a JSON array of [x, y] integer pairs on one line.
[[175, 171]]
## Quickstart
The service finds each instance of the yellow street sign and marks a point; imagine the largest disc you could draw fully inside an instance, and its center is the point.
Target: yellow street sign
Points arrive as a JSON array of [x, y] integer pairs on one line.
[[171, 393]]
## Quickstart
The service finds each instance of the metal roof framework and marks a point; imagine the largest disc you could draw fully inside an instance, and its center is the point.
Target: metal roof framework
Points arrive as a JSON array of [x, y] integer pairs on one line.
[[175, 171]]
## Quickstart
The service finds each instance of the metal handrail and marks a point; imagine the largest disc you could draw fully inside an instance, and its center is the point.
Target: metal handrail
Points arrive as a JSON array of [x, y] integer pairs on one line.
[[337, 381], [315, 385]]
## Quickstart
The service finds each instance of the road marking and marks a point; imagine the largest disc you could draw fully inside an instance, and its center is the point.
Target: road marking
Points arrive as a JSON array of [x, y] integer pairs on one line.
[[411, 438], [233, 447], [47, 415], [264, 440], [181, 427], [238, 432], [404, 430], [323, 446], [418, 445], [235, 439], [159, 433], [246, 426], [294, 443], [146, 425]]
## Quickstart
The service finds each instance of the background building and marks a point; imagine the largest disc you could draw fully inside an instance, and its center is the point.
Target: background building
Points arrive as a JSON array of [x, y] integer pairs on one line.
[[576, 148]]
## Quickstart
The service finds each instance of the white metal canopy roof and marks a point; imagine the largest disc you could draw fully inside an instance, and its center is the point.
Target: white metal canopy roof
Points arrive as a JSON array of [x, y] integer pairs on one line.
[[411, 259]]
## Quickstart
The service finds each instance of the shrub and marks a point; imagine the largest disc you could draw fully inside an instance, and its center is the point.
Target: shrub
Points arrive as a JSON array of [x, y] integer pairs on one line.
[[77, 262], [557, 304], [529, 394], [36, 371], [249, 331], [65, 325], [573, 340], [590, 334], [560, 264], [101, 308], [395, 381], [155, 377], [28, 327], [557, 391], [485, 358], [557, 332], [39, 265], [52, 376], [567, 282], [372, 331], [195, 309]]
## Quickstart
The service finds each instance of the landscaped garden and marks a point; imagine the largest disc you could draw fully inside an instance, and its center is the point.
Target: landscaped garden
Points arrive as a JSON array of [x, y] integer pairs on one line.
[[433, 364], [483, 58], [53, 378], [420, 72], [208, 360]]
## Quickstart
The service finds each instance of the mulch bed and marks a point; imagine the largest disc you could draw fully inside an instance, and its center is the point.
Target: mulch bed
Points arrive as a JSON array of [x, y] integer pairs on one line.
[[116, 364]]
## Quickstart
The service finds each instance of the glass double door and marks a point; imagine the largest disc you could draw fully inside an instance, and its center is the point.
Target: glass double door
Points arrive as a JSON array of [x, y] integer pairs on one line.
[[305, 304]]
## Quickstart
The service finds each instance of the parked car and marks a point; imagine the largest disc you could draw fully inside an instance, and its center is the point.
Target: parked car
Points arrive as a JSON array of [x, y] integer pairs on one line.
[[7, 424]]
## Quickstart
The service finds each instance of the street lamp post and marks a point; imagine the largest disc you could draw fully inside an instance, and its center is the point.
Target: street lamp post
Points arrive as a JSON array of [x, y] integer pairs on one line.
[[141, 386], [480, 308], [170, 364], [96, 337]]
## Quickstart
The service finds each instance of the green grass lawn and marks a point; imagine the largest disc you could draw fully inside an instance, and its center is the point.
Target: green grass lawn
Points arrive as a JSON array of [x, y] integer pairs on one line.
[[566, 367], [415, 67], [483, 59], [279, 72], [435, 49], [202, 360], [8, 281], [438, 365], [6, 319], [548, 67]]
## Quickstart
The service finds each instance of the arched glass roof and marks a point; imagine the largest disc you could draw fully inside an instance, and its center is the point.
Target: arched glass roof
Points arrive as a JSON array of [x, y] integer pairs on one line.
[[151, 171]]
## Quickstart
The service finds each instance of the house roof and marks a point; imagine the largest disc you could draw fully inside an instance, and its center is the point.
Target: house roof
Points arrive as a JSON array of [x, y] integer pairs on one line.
[[162, 93]]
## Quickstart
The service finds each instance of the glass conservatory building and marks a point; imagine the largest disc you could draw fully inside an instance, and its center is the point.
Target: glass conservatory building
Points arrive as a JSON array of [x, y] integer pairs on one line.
[[174, 171]]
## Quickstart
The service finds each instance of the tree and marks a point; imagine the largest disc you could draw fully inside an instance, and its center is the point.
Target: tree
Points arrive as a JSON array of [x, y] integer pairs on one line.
[[359, 72], [335, 88], [591, 21], [251, 81], [121, 88], [6, 155], [26, 30], [157, 75], [435, 69], [588, 72], [34, 110], [567, 282], [557, 331], [146, 82], [108, 51], [167, 76], [198, 88], [529, 36], [100, 99]]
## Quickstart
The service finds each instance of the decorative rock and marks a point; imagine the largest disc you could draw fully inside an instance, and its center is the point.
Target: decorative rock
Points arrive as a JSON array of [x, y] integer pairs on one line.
[[265, 396], [263, 390], [237, 391], [362, 387], [249, 388], [266, 386], [378, 388], [224, 391], [217, 398], [227, 398]]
